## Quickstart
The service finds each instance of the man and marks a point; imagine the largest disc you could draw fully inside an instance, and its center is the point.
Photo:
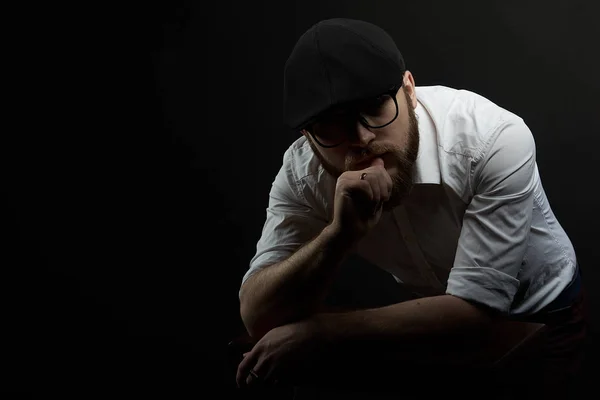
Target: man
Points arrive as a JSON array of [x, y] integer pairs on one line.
[[437, 186]]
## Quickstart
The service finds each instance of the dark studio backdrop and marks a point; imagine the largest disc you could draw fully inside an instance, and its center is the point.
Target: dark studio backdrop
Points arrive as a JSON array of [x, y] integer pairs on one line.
[[137, 178]]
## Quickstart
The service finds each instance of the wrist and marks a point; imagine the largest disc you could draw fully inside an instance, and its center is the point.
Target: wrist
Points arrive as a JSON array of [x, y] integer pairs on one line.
[[340, 237], [324, 326]]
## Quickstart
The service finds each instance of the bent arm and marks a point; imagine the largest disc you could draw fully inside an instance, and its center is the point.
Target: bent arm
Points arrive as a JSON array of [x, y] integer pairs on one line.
[[294, 288]]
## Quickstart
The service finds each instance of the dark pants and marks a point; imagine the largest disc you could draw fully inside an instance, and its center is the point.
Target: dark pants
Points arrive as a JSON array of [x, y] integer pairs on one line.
[[553, 375]]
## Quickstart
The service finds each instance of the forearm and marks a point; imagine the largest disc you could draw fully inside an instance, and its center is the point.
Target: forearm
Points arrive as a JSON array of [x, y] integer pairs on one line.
[[295, 288], [415, 329]]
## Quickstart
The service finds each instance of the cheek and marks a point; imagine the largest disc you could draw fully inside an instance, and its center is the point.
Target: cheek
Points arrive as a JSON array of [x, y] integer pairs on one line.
[[337, 157], [401, 134], [332, 160]]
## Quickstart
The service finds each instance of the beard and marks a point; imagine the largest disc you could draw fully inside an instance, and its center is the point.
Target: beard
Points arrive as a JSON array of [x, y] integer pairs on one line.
[[402, 158]]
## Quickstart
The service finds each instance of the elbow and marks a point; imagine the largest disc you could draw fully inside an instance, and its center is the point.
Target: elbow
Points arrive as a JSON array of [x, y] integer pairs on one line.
[[255, 326], [252, 319], [259, 318], [247, 312], [257, 315], [248, 319]]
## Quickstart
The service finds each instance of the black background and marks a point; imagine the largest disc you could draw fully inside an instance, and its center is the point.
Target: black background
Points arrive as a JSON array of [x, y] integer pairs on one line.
[[142, 147]]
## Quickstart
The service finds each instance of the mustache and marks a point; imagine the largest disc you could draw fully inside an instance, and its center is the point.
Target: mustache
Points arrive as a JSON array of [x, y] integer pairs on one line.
[[367, 154], [404, 158]]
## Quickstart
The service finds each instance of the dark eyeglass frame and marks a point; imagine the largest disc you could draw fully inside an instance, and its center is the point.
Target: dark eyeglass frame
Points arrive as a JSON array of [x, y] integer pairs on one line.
[[392, 92]]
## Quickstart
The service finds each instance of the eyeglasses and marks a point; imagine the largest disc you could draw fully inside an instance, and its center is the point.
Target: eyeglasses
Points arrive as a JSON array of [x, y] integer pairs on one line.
[[331, 128]]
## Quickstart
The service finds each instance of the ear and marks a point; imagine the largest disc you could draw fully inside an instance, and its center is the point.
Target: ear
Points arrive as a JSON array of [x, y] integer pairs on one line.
[[409, 87]]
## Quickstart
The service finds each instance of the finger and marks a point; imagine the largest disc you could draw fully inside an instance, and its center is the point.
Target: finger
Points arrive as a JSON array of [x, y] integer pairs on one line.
[[258, 374], [385, 186], [377, 162], [245, 365], [251, 379], [360, 193], [375, 187], [389, 185], [265, 371], [380, 172], [385, 180], [360, 188]]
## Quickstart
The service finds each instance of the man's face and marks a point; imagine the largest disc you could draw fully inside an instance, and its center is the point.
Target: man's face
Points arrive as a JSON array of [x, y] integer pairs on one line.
[[397, 144]]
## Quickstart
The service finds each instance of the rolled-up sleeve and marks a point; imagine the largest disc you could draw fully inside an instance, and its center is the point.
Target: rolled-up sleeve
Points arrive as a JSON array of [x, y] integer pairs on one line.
[[290, 221], [496, 225]]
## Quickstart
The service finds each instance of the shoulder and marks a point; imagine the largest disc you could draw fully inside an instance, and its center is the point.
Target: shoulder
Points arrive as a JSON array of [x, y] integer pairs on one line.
[[465, 120], [462, 116], [303, 173], [467, 127], [299, 163]]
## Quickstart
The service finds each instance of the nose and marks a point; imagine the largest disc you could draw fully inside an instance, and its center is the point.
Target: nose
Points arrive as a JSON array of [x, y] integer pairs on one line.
[[361, 135]]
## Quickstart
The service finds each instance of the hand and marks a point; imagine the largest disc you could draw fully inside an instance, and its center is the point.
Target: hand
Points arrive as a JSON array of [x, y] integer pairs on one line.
[[358, 203], [280, 354]]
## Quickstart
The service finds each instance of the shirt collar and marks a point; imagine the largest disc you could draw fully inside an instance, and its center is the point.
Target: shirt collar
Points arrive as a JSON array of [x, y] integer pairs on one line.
[[427, 166]]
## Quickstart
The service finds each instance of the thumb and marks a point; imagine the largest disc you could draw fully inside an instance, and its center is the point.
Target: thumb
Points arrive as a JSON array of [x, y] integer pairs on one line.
[[378, 161]]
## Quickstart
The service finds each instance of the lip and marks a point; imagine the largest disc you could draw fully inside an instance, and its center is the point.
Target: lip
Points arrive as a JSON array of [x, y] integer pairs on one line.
[[363, 164]]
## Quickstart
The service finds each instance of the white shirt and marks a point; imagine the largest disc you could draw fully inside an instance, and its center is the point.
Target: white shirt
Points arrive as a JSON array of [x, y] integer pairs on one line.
[[476, 225]]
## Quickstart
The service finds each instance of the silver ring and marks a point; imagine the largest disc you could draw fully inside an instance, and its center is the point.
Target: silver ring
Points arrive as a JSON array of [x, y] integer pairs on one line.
[[254, 374], [362, 177]]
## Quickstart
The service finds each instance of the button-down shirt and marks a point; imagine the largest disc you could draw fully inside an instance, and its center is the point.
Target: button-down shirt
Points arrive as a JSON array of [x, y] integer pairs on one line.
[[477, 223]]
